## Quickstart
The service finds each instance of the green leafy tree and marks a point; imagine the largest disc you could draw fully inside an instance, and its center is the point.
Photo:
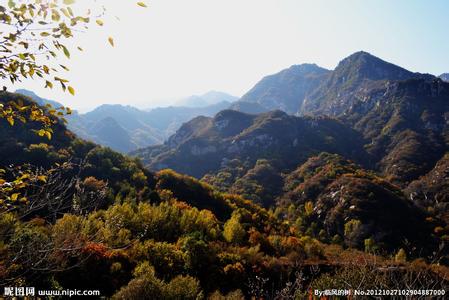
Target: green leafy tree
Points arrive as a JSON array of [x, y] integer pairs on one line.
[[34, 33]]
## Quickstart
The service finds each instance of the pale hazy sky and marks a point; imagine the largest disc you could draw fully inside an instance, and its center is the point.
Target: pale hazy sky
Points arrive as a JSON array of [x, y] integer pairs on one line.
[[177, 48]]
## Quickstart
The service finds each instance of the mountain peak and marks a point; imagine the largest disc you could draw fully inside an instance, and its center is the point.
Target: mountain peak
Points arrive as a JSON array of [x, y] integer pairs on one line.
[[364, 57], [351, 80], [360, 54], [363, 65], [307, 68], [284, 90]]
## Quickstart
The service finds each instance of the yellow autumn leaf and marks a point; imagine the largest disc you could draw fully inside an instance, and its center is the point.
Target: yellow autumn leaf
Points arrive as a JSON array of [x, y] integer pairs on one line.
[[14, 196], [65, 12], [66, 51], [10, 120], [25, 176], [111, 41], [48, 134], [42, 178], [100, 22], [142, 4], [71, 90]]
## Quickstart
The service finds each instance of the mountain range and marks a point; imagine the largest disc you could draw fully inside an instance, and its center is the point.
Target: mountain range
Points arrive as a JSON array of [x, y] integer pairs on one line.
[[385, 118], [310, 89], [126, 128], [351, 81], [207, 144], [391, 123], [401, 117]]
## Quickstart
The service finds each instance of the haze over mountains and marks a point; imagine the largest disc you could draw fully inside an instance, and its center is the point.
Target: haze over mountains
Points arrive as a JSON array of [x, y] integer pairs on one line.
[[210, 98], [126, 128]]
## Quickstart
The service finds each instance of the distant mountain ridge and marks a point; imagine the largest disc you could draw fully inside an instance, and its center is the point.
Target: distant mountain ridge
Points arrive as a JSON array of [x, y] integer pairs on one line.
[[207, 99], [126, 128], [39, 100], [122, 128]]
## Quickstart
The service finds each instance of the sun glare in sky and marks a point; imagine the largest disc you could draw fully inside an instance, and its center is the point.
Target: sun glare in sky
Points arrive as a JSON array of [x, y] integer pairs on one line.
[[177, 48]]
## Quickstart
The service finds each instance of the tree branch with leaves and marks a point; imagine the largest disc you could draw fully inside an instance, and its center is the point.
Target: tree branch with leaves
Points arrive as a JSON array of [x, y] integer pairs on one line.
[[33, 35]]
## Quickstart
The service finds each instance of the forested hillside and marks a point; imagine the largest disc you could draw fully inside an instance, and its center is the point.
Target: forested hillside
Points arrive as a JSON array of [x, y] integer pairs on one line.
[[206, 145]]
